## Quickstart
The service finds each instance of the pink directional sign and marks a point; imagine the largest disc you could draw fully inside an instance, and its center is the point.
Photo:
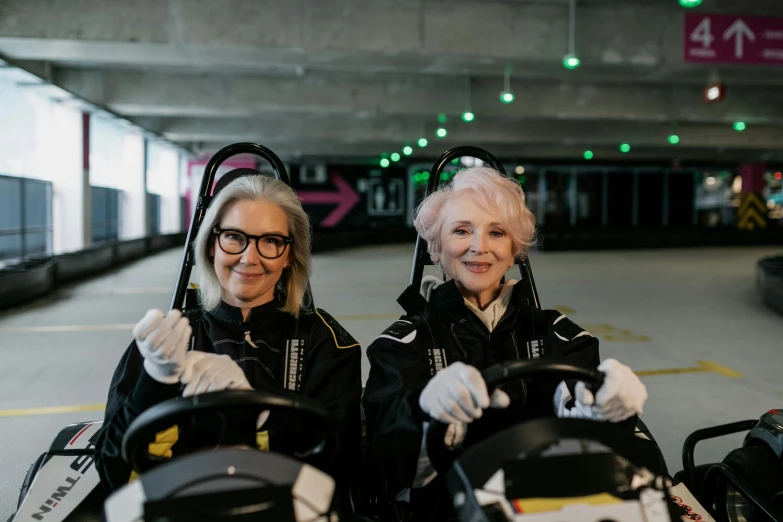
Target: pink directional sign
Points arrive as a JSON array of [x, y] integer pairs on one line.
[[733, 39]]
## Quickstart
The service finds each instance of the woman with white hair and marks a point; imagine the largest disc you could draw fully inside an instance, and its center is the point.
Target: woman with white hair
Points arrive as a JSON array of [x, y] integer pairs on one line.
[[476, 228], [253, 264]]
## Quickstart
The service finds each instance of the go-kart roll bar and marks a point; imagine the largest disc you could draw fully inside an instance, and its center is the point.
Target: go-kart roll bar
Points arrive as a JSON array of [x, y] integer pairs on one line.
[[205, 197], [689, 447], [421, 257]]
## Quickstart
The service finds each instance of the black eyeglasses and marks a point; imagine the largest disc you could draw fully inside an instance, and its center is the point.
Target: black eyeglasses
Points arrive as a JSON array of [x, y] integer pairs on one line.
[[269, 246]]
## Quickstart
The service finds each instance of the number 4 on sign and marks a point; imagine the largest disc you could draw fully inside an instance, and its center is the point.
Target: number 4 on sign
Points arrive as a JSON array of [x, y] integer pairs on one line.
[[703, 33]]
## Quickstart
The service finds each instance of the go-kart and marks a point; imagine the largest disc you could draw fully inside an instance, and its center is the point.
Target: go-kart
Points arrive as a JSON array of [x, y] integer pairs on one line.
[[554, 470], [747, 486], [231, 482]]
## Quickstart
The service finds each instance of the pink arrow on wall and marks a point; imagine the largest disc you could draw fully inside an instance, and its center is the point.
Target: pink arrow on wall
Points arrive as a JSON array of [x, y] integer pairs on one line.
[[345, 197]]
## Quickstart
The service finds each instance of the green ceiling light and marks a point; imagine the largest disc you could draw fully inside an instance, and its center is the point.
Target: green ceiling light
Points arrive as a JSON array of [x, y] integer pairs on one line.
[[571, 61], [444, 176], [423, 142], [625, 148], [690, 3], [384, 163], [441, 118], [407, 150], [739, 126], [674, 139], [441, 132], [395, 156], [468, 116], [588, 154], [425, 176], [506, 97]]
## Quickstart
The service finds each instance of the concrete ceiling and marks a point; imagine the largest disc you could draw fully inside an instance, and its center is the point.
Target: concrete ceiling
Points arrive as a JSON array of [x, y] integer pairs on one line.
[[355, 78]]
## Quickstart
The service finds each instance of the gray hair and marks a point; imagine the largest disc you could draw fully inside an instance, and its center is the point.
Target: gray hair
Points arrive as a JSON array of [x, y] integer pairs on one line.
[[293, 284]]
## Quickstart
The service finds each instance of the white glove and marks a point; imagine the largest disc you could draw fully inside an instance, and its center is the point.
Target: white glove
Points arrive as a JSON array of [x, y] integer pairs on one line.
[[163, 342], [209, 372], [579, 410], [458, 393], [622, 395]]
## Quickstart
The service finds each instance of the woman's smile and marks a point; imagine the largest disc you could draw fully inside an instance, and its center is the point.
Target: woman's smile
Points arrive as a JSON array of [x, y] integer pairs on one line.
[[477, 268]]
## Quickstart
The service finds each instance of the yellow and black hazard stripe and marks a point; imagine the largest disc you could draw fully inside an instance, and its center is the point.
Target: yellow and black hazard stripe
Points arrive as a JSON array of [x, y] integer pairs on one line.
[[752, 213]]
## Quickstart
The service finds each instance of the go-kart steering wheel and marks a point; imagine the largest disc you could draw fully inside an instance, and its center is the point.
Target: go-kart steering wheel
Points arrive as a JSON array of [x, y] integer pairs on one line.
[[442, 456], [251, 402]]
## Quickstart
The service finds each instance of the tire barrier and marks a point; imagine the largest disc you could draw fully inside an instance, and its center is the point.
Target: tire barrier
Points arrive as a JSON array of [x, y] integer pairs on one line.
[[654, 237], [769, 282], [30, 279]]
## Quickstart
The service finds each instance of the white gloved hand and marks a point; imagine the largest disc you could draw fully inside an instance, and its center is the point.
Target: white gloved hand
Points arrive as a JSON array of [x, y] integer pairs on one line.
[[622, 395], [458, 393], [209, 372], [580, 409], [163, 342]]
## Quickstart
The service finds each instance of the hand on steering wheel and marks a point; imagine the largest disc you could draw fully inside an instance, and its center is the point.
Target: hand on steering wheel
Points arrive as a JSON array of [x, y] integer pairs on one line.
[[458, 394], [620, 397]]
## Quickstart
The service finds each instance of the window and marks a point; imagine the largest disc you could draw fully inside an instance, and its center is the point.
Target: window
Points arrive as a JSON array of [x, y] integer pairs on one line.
[[25, 217], [153, 214], [105, 214]]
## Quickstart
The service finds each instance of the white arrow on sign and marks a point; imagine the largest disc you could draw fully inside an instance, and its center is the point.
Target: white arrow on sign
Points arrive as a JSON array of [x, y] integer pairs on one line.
[[739, 29]]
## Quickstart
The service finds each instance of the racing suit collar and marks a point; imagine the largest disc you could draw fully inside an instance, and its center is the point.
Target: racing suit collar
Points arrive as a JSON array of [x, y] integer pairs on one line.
[[446, 300], [259, 315]]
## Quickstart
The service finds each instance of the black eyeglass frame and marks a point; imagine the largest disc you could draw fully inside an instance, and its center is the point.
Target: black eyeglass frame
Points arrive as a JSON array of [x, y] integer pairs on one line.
[[287, 240]]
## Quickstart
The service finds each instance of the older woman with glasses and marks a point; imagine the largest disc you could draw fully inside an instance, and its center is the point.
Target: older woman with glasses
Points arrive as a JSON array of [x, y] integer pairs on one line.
[[254, 331]]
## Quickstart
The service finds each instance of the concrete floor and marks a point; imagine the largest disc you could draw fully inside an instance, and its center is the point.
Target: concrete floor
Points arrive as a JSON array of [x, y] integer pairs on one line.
[[653, 310]]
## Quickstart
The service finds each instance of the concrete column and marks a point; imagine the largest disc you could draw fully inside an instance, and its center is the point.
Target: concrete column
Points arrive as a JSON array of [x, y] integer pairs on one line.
[[86, 191], [144, 208], [133, 188]]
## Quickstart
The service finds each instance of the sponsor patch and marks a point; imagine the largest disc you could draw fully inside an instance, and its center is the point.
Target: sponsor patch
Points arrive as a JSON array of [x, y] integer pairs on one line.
[[535, 348], [401, 331]]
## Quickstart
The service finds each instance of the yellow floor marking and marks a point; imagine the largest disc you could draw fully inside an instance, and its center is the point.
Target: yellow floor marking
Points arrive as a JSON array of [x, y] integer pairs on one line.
[[51, 410], [65, 328], [128, 291], [702, 367], [565, 310], [609, 333]]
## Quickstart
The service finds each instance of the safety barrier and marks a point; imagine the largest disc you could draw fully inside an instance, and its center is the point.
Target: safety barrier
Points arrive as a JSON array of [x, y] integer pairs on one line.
[[583, 238], [34, 278], [769, 281]]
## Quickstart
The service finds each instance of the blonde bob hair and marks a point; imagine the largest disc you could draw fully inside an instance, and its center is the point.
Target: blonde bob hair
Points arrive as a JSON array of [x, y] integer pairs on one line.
[[291, 289], [494, 192]]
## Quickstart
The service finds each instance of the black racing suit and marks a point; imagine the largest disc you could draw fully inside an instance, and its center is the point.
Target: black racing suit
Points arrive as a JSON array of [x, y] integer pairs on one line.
[[331, 375], [400, 368]]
